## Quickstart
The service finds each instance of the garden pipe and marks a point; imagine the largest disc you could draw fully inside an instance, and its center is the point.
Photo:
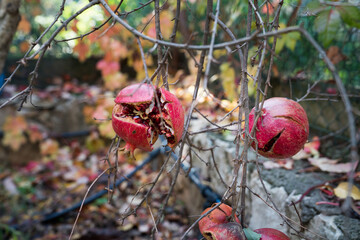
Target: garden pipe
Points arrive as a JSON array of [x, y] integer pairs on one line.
[[52, 216], [206, 191]]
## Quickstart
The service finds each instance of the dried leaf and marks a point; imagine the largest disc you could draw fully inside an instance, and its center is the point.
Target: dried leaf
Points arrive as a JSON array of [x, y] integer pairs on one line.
[[49, 147], [330, 165], [335, 55], [341, 191], [15, 124], [35, 135]]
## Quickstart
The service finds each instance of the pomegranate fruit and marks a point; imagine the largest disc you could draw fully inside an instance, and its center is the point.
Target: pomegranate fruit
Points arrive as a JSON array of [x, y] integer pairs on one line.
[[143, 112], [271, 234], [282, 128], [220, 215], [226, 231]]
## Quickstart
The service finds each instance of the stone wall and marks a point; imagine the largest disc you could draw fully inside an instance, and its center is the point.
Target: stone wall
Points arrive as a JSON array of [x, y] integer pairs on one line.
[[284, 187]]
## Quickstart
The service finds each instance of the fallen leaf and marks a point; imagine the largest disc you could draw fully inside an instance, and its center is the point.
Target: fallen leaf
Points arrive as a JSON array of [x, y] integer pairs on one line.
[[341, 191], [106, 130], [302, 154], [279, 163], [49, 147], [10, 186], [330, 165], [34, 133]]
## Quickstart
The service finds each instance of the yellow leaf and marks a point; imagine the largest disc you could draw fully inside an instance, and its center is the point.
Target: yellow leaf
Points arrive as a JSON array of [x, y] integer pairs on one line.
[[291, 39], [49, 147], [114, 81], [251, 87], [280, 43], [219, 53], [14, 141], [14, 128], [106, 130], [94, 143], [227, 75], [341, 191]]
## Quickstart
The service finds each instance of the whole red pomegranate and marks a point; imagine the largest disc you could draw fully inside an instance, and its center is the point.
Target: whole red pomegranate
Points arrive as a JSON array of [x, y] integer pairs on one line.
[[271, 234], [220, 215], [143, 112], [282, 128], [225, 231]]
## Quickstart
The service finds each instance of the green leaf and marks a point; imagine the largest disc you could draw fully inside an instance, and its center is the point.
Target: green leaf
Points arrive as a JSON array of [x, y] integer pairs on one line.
[[251, 235], [327, 25], [313, 7], [350, 15], [291, 39]]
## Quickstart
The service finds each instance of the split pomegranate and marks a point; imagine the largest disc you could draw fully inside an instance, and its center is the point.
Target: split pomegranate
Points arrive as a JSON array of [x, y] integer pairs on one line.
[[282, 128], [226, 231], [143, 112], [220, 215], [271, 234]]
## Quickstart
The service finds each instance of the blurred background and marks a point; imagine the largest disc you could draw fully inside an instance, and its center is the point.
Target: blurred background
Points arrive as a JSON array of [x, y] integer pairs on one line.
[[55, 146]]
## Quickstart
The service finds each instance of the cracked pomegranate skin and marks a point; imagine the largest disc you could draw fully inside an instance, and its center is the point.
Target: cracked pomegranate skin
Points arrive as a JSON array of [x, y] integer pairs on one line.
[[282, 129], [138, 121], [220, 215], [271, 234]]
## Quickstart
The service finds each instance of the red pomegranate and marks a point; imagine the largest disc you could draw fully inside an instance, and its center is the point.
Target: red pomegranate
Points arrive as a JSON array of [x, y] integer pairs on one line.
[[271, 234], [220, 215], [282, 128], [225, 231], [143, 112]]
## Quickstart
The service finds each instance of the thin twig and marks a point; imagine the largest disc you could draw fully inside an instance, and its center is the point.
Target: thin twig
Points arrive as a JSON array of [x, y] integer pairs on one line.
[[82, 203], [212, 42], [348, 108]]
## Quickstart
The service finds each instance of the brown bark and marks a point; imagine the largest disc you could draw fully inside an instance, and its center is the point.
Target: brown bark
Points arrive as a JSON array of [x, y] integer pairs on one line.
[[9, 20]]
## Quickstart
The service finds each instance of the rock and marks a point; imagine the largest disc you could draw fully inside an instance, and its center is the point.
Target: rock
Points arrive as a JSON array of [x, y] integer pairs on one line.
[[284, 187], [324, 226], [264, 216]]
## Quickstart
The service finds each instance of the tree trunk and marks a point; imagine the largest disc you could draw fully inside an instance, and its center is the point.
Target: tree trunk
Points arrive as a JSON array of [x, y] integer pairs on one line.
[[9, 20]]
